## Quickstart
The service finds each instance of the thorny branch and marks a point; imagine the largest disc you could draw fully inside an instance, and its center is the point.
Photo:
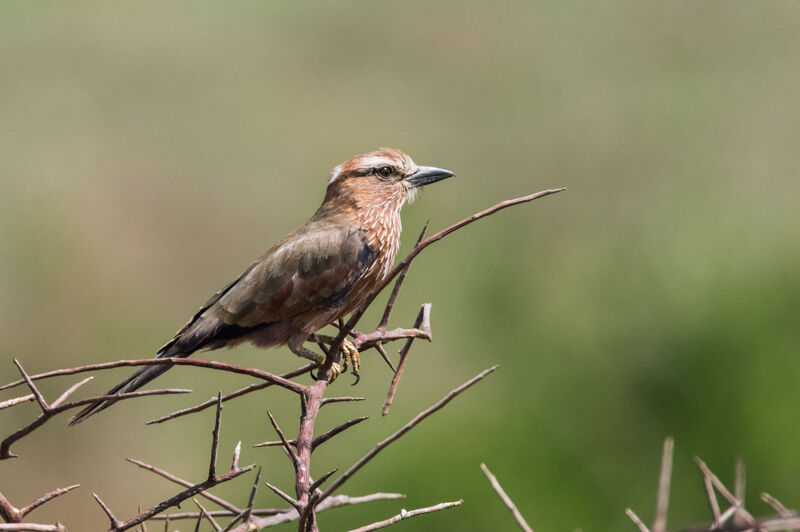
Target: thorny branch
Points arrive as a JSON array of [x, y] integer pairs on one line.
[[404, 514], [58, 406], [169, 361], [212, 480], [403, 430], [309, 498], [722, 521], [15, 515], [506, 499]]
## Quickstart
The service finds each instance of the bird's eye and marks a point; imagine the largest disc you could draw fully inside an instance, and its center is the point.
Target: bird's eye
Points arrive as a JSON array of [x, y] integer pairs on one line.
[[384, 171]]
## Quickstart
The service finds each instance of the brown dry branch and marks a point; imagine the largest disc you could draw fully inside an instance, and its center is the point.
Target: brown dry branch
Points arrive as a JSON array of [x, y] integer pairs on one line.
[[11, 514], [506, 499], [273, 517], [335, 501], [319, 440], [362, 342], [309, 498], [168, 361], [662, 499], [215, 513], [58, 406], [735, 518], [208, 516], [402, 431], [329, 400], [211, 481], [185, 483], [16, 401], [232, 395], [32, 527], [405, 514], [636, 521], [423, 320]]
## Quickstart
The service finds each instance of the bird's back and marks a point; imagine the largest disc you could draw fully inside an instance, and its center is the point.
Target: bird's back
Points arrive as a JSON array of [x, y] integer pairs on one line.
[[320, 272]]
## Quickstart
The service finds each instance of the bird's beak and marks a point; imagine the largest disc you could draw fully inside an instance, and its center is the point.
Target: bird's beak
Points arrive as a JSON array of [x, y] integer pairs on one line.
[[425, 175]]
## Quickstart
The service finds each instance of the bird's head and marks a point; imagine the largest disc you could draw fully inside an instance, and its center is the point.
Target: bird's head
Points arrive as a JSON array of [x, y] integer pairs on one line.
[[384, 178]]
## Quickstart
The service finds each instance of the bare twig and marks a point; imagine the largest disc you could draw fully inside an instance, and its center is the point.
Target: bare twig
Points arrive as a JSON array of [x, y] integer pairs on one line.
[[8, 511], [506, 499], [382, 352], [329, 400], [724, 491], [115, 523], [638, 522], [63, 397], [662, 500], [283, 495], [387, 311], [169, 361], [50, 495], [11, 514], [723, 518], [364, 341], [236, 452], [179, 498], [407, 514], [713, 503], [334, 501], [36, 393], [32, 527], [186, 484], [252, 499], [321, 480], [778, 506], [310, 405], [235, 521], [424, 313], [16, 400], [208, 516], [238, 393], [407, 427], [319, 440], [740, 479], [288, 448], [212, 466], [218, 513], [5, 446], [212, 480]]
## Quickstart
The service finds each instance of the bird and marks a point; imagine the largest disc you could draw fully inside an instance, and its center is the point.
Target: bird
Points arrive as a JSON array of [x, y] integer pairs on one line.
[[314, 276]]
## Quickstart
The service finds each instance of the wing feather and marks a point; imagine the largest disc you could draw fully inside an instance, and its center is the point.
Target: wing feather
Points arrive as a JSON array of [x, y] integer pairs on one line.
[[312, 268]]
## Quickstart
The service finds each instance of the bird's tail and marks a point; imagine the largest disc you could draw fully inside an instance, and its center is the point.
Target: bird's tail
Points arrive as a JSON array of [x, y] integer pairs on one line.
[[132, 383]]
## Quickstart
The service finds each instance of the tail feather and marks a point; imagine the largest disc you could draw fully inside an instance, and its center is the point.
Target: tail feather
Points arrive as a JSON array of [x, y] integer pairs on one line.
[[132, 383]]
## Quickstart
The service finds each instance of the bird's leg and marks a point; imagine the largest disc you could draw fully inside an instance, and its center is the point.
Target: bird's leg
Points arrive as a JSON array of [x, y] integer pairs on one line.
[[317, 359], [349, 351]]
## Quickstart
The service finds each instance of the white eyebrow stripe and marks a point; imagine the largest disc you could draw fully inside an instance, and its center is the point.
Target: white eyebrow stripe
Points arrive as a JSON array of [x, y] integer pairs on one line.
[[337, 171], [374, 161]]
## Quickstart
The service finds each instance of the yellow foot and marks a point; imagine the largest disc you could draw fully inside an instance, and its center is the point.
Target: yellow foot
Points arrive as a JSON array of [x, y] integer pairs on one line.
[[350, 356], [336, 370]]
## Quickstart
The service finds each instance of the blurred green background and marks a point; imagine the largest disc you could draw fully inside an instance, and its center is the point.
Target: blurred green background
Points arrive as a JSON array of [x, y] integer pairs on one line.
[[149, 151]]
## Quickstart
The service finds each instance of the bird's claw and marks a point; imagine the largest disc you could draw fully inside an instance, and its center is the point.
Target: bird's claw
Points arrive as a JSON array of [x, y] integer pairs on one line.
[[336, 370], [350, 354], [350, 357]]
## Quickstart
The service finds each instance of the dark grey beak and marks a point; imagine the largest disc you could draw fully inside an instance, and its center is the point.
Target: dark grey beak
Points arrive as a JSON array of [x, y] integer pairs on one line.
[[425, 175]]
